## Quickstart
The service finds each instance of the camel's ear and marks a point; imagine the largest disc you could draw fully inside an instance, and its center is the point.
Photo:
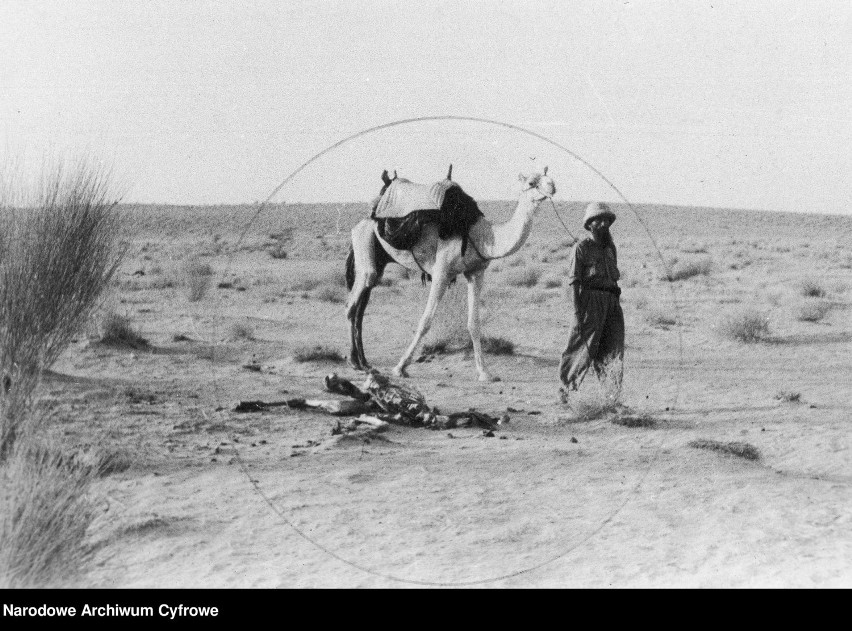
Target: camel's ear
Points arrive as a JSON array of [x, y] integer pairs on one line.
[[385, 177], [394, 174], [545, 170], [450, 173]]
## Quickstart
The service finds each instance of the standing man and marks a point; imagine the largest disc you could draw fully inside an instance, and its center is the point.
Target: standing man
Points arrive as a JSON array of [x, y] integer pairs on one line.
[[597, 331]]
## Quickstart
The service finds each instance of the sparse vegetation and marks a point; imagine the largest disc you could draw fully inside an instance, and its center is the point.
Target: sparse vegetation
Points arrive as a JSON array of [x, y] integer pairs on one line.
[[277, 251], [741, 450], [603, 398], [812, 289], [331, 293], [788, 396], [551, 282], [45, 512], [813, 311], [659, 318], [317, 353], [241, 331], [494, 345], [747, 325], [118, 330], [687, 269], [59, 249], [197, 276], [523, 276], [635, 420]]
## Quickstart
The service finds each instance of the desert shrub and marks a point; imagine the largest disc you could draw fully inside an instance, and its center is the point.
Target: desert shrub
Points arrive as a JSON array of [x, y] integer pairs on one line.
[[788, 396], [241, 331], [517, 261], [496, 345], [312, 280], [659, 318], [603, 398], [812, 289], [197, 276], [330, 293], [812, 310], [742, 450], [523, 276], [317, 353], [635, 420], [117, 330], [45, 511], [688, 269], [641, 302], [693, 248], [435, 348], [551, 282], [746, 325], [277, 251], [59, 249]]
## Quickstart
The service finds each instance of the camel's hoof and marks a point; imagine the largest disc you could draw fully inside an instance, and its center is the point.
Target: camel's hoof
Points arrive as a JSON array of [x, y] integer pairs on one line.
[[354, 364], [486, 377], [400, 372]]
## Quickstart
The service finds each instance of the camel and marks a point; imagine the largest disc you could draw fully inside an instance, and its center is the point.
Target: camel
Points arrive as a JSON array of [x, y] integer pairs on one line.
[[444, 260]]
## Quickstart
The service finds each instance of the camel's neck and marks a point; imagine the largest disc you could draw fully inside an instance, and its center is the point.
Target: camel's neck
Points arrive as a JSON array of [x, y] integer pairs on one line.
[[495, 241]]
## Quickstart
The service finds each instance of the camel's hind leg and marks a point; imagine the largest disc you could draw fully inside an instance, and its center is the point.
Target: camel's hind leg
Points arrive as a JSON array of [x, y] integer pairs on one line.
[[364, 267], [474, 291], [357, 323]]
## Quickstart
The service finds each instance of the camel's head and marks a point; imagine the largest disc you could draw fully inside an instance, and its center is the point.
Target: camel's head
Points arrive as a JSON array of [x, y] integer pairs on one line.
[[538, 186]]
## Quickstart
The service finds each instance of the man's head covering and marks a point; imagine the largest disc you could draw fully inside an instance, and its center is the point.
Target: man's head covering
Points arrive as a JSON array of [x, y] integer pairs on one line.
[[595, 210]]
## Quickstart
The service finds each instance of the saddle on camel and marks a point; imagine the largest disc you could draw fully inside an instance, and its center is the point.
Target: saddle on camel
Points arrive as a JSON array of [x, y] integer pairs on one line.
[[404, 207]]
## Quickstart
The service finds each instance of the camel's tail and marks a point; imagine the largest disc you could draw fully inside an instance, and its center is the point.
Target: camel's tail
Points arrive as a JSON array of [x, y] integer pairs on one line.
[[350, 269]]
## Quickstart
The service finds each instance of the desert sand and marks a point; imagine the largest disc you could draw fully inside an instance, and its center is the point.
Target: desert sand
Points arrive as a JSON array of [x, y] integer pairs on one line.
[[208, 497]]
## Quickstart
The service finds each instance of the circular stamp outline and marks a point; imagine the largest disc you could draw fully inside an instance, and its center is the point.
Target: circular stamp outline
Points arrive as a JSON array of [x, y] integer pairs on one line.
[[628, 495]]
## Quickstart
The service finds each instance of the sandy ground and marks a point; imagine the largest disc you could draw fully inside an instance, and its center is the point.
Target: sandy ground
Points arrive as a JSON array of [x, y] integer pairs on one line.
[[213, 498]]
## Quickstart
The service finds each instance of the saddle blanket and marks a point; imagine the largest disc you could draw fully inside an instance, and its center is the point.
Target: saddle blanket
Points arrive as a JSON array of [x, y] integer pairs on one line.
[[404, 196]]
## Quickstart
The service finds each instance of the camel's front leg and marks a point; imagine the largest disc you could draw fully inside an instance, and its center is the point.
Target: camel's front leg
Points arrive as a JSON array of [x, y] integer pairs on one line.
[[439, 286], [474, 291]]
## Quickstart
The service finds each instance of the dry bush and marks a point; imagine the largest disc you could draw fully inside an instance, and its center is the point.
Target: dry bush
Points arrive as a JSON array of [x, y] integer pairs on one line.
[[693, 248], [331, 293], [746, 325], [197, 276], [45, 511], [241, 331], [812, 289], [59, 249], [742, 450], [277, 251], [813, 310], [523, 276], [312, 280], [635, 420], [317, 353], [118, 331], [788, 396], [551, 282], [688, 269], [496, 345], [602, 399], [659, 318]]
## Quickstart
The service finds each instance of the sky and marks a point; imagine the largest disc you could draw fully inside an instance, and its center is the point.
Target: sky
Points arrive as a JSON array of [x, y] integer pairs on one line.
[[704, 103]]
